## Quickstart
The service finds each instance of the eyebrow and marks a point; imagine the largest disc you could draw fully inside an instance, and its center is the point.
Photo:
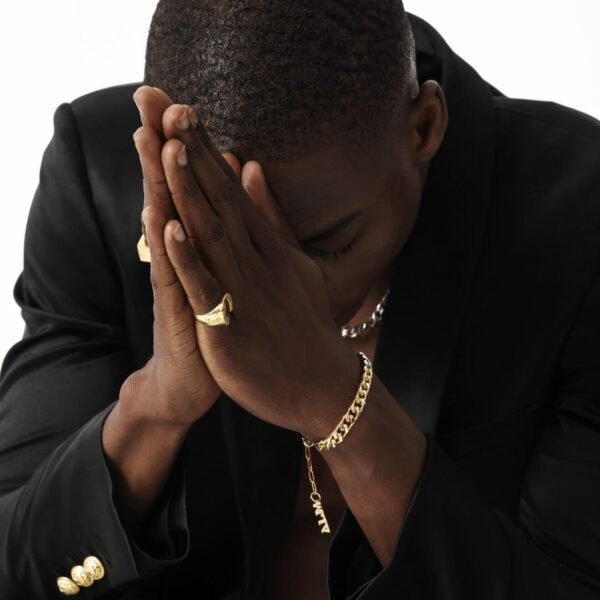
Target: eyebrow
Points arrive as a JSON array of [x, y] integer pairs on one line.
[[330, 229]]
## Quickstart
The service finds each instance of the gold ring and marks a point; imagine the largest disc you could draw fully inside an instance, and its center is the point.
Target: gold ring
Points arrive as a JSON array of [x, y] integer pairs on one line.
[[219, 315], [143, 249]]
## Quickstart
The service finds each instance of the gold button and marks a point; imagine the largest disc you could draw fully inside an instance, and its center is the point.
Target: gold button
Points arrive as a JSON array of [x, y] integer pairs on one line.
[[81, 577], [94, 567], [67, 586]]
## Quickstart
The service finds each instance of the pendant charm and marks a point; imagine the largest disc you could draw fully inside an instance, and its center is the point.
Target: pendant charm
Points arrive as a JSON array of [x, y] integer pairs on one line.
[[320, 514], [315, 497]]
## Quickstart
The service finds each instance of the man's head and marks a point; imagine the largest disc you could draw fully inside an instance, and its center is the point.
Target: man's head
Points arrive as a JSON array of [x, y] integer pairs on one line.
[[272, 79], [324, 94]]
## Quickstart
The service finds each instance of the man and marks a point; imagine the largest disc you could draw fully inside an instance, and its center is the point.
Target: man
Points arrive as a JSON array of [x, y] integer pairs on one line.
[[471, 471]]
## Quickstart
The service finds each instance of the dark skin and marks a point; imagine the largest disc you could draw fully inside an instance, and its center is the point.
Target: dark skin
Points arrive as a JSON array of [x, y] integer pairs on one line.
[[242, 230]]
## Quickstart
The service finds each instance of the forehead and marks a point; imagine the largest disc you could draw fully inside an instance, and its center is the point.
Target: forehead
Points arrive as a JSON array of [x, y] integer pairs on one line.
[[321, 186]]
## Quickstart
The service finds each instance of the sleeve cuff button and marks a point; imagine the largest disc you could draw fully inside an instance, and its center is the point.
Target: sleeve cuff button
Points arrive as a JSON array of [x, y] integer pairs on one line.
[[67, 586], [81, 577], [94, 567]]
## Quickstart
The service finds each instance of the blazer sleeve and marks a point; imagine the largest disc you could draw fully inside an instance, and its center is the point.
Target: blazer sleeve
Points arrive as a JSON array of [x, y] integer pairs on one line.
[[57, 385], [454, 545]]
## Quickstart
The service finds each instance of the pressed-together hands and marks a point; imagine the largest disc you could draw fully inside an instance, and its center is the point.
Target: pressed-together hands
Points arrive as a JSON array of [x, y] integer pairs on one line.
[[281, 357], [213, 227]]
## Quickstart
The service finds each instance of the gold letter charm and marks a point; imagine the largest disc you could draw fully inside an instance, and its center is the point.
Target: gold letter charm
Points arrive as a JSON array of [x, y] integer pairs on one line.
[[320, 514]]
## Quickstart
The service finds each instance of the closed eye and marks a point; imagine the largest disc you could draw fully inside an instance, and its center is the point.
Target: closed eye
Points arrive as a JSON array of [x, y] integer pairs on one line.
[[331, 255]]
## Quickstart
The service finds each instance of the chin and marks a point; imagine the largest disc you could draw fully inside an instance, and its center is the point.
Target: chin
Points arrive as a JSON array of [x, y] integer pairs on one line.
[[343, 316]]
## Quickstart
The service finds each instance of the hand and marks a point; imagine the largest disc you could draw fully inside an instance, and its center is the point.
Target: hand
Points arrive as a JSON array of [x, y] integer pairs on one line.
[[174, 387], [281, 357]]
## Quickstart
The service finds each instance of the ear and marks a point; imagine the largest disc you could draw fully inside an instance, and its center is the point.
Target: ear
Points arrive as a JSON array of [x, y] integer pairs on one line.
[[428, 120], [255, 184]]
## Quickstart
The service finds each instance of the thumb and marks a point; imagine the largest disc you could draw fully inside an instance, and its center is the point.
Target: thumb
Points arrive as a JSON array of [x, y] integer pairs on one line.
[[254, 182]]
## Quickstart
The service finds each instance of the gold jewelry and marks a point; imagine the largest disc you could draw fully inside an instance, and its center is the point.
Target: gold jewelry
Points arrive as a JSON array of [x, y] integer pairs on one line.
[[337, 436], [143, 249], [219, 315]]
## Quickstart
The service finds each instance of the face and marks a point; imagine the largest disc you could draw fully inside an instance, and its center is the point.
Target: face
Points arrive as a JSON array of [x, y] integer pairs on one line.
[[351, 215]]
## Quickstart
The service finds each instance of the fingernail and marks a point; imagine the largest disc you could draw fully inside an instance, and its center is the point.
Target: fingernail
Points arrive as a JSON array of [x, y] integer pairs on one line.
[[182, 157], [178, 233], [183, 122], [193, 117], [142, 118]]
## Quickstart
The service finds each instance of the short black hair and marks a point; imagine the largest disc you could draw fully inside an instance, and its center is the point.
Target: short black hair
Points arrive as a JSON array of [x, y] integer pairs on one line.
[[274, 79]]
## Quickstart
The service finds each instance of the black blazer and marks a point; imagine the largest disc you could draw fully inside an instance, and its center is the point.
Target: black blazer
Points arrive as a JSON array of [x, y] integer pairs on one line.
[[490, 341]]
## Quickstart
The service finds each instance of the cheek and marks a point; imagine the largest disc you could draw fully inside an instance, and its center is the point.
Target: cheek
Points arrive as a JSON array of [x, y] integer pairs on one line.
[[349, 282], [379, 249], [350, 279]]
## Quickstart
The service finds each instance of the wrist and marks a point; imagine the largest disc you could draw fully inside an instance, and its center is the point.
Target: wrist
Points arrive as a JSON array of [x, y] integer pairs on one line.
[[334, 397], [137, 407], [139, 454]]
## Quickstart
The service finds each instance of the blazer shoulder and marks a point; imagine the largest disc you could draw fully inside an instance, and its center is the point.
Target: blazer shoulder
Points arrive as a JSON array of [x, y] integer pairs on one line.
[[106, 102], [106, 120], [558, 146], [546, 179], [562, 120]]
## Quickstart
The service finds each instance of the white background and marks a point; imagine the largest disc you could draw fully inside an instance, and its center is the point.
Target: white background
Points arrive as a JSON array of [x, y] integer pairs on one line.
[[52, 52]]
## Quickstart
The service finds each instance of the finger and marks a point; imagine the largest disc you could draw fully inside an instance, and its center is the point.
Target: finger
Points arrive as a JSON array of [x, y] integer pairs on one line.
[[221, 249], [152, 103], [181, 121], [156, 191], [233, 162], [202, 290], [211, 168], [221, 185], [254, 182], [171, 307]]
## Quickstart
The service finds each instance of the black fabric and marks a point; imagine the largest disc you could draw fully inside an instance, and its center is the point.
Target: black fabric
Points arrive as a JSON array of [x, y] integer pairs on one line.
[[489, 341]]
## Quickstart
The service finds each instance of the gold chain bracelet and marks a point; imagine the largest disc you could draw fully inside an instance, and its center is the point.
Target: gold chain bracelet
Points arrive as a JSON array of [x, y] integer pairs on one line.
[[336, 437]]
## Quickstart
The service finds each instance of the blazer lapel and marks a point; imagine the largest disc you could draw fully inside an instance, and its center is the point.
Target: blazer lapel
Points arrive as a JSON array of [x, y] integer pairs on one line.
[[433, 273], [420, 324]]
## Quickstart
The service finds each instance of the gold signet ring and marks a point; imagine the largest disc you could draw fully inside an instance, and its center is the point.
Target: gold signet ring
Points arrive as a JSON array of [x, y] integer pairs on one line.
[[143, 249], [219, 315]]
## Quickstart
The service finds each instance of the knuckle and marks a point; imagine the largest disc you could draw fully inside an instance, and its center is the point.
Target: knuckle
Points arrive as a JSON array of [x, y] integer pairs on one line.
[[162, 281], [130, 388], [155, 178], [208, 294], [214, 232], [187, 272], [144, 142], [154, 282], [181, 191], [225, 196], [187, 263], [168, 284]]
